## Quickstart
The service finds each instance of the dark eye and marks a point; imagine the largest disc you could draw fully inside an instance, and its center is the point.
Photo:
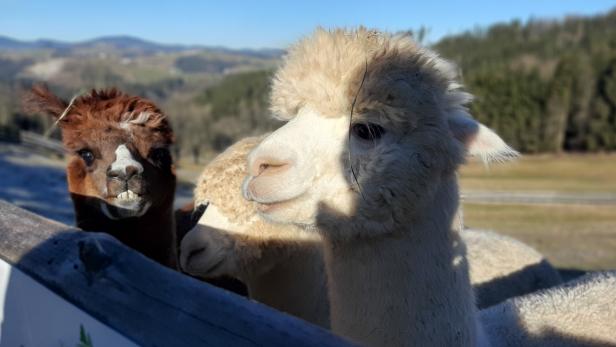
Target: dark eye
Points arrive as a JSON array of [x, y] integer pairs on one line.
[[87, 156], [160, 156], [367, 131]]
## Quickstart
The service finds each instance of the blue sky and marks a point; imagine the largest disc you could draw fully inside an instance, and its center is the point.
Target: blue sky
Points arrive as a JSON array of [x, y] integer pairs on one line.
[[263, 23]]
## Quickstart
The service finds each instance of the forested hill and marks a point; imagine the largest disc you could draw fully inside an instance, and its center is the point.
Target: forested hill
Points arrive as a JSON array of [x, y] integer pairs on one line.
[[543, 85]]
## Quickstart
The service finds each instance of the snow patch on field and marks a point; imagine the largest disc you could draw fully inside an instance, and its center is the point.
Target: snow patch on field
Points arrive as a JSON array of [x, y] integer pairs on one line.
[[35, 183]]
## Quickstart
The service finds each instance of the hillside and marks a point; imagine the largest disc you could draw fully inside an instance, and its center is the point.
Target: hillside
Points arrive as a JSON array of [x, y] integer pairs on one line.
[[545, 86], [172, 75], [122, 45]]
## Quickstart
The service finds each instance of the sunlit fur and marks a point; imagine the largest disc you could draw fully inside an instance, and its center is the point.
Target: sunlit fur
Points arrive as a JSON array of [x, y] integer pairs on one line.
[[232, 239], [397, 272], [123, 133]]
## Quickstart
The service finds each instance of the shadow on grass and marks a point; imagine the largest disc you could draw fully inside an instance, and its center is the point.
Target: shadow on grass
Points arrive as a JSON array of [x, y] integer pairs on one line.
[[38, 188]]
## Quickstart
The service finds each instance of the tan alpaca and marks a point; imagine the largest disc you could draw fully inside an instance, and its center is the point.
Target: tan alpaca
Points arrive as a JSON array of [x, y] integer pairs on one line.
[[280, 264], [283, 265], [376, 130]]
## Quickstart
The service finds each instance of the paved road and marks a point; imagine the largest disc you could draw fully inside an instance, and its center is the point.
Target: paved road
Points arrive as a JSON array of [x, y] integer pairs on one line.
[[540, 198]]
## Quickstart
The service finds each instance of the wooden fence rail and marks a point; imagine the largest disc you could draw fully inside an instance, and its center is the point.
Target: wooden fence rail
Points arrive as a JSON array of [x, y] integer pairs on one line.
[[147, 303]]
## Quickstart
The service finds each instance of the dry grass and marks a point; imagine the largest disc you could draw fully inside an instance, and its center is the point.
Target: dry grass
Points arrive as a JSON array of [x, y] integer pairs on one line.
[[577, 237], [594, 173], [571, 236]]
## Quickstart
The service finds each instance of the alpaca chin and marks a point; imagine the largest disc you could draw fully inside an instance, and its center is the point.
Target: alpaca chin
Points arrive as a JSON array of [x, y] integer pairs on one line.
[[134, 209], [285, 211]]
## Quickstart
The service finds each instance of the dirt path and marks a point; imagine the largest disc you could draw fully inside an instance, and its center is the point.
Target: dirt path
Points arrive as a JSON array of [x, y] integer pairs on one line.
[[542, 198]]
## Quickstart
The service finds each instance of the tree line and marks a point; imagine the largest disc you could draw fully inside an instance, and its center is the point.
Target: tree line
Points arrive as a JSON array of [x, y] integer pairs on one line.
[[544, 86]]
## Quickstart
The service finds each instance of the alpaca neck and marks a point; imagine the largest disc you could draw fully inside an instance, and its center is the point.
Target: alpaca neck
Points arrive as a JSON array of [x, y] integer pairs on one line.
[[152, 234], [410, 287], [295, 285]]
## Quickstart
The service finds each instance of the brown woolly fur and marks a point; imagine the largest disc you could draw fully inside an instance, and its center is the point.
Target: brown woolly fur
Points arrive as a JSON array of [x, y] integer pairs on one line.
[[42, 100], [120, 173]]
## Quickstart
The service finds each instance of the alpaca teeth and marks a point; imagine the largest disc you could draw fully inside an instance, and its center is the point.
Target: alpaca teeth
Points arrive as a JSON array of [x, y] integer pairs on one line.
[[127, 195]]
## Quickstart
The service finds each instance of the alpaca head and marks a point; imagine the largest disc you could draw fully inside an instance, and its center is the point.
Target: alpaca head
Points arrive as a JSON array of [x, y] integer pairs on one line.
[[375, 124], [120, 164]]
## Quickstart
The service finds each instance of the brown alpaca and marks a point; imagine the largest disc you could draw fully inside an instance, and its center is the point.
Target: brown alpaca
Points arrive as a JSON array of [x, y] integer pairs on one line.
[[120, 172]]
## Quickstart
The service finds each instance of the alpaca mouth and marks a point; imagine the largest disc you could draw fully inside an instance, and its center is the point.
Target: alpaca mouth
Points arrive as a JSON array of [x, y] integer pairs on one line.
[[268, 207], [124, 205], [127, 196], [128, 200]]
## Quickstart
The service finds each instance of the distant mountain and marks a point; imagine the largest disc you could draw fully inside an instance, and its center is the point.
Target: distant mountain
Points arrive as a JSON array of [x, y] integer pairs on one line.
[[127, 45], [7, 43], [123, 45]]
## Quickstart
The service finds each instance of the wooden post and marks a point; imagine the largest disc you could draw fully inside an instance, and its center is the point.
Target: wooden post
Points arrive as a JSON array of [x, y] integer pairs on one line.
[[149, 304]]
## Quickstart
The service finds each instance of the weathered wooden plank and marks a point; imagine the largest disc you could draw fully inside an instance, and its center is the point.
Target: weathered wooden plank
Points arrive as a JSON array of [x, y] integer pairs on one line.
[[150, 304]]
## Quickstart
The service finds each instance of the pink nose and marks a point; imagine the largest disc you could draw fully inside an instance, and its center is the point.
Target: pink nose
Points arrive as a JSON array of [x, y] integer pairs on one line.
[[268, 166]]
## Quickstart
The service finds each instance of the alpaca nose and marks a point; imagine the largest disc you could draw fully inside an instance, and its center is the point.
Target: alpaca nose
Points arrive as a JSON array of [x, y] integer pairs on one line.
[[124, 174], [269, 166], [125, 166]]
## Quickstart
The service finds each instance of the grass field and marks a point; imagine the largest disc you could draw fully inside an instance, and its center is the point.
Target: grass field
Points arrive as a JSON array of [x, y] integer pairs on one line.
[[595, 173], [571, 236]]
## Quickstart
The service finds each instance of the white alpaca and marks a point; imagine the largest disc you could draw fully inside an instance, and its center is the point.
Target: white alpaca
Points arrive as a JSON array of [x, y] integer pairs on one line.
[[283, 265], [377, 128]]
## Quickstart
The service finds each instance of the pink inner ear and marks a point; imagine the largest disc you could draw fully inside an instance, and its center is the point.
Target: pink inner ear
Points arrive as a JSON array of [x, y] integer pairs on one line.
[[479, 140], [464, 129]]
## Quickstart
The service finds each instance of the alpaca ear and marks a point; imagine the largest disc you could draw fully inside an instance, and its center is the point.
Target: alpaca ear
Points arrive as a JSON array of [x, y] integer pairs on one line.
[[479, 140], [41, 100]]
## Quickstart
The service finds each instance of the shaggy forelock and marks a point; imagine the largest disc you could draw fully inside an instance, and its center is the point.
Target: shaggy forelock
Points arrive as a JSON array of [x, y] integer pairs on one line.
[[325, 70], [115, 107], [130, 118], [110, 112]]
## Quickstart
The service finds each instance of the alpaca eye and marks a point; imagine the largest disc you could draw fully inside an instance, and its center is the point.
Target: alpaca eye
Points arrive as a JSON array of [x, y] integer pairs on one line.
[[160, 156], [367, 131], [87, 156]]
